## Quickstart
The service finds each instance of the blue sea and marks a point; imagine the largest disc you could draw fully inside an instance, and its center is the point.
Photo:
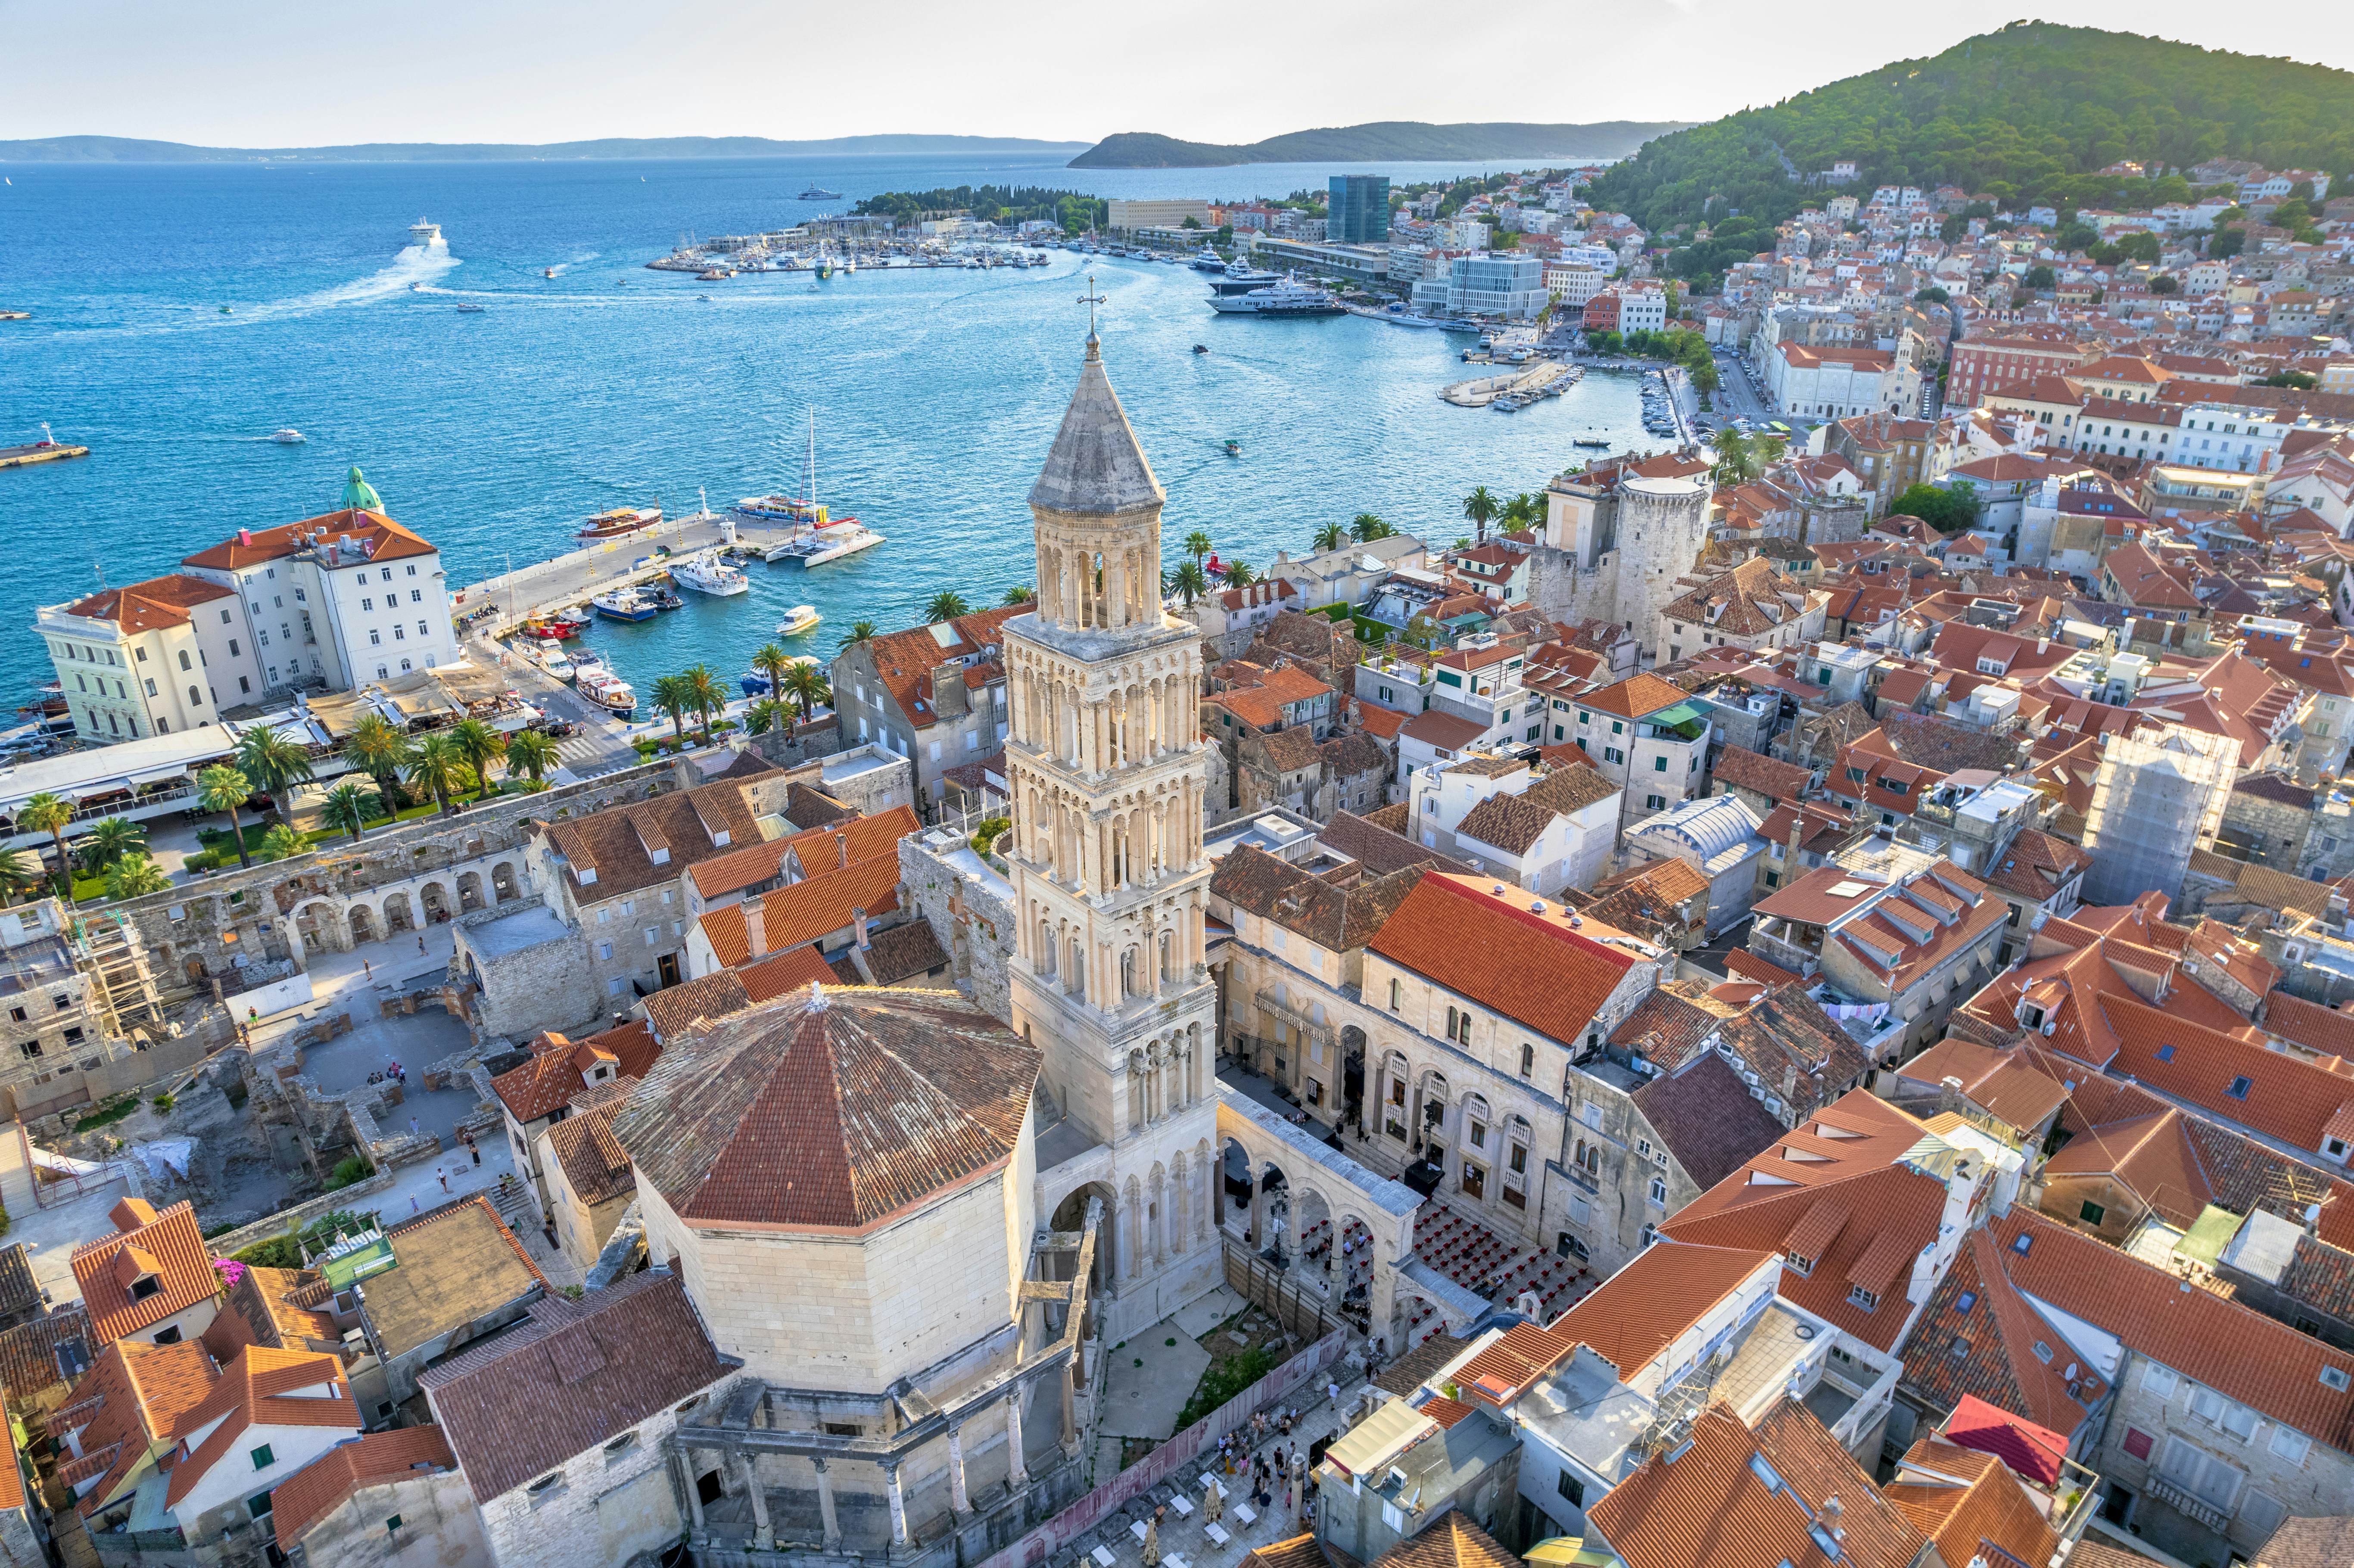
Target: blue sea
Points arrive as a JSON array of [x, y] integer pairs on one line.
[[936, 393]]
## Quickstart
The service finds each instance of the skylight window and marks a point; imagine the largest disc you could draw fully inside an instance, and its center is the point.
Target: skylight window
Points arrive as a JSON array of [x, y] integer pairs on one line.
[[2239, 1088], [1970, 1298], [2166, 1053], [1849, 889]]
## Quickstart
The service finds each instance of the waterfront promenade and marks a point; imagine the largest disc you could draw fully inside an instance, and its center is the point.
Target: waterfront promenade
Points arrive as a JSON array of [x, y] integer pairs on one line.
[[572, 578]]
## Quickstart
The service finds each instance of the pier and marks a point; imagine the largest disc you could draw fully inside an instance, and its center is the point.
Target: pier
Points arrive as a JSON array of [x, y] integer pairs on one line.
[[1529, 381], [39, 451], [576, 575]]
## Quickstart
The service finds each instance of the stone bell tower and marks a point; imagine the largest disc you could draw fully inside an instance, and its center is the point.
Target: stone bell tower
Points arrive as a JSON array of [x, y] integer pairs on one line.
[[1107, 770]]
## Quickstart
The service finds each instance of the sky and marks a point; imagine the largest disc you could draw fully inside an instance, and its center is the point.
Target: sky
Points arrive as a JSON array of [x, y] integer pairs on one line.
[[301, 73]]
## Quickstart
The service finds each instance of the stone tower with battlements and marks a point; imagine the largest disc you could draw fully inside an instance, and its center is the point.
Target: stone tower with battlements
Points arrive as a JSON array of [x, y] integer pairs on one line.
[[1107, 770]]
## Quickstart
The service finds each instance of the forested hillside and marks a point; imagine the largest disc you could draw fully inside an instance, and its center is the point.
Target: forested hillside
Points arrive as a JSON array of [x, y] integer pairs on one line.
[[2030, 112]]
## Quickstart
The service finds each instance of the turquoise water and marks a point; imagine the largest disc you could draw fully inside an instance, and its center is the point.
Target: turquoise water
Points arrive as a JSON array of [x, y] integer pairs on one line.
[[937, 393]]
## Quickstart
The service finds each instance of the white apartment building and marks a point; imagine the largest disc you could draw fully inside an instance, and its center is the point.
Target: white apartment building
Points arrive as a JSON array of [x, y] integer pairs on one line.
[[1810, 383], [1573, 285], [1642, 308], [156, 657], [1511, 287], [337, 600]]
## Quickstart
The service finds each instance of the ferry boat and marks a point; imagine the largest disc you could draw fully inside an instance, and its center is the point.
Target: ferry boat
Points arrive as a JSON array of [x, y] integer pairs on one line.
[[819, 193], [426, 233], [1258, 293], [708, 574], [623, 603], [800, 619], [620, 520]]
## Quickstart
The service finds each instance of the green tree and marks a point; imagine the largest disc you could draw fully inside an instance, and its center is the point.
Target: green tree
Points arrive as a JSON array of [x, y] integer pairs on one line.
[[1736, 460], [48, 813], [1364, 528], [2039, 278], [705, 694], [480, 745], [772, 661], [436, 766], [221, 788], [1770, 450], [1239, 574], [764, 714], [531, 753], [20, 873], [860, 631], [1198, 544], [1021, 593], [348, 807], [2227, 244], [806, 684], [135, 876], [947, 605], [1480, 507], [1947, 511], [1189, 581], [671, 698], [378, 750], [274, 762], [1225, 235], [1330, 536], [108, 841], [2166, 283], [280, 842], [1190, 222]]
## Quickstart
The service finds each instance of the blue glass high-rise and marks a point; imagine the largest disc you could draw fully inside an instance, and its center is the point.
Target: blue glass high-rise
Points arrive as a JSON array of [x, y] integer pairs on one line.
[[1359, 213]]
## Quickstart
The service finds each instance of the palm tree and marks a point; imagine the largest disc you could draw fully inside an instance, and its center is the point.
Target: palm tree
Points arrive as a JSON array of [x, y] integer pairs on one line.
[[110, 841], [807, 685], [436, 765], [1330, 537], [1189, 581], [480, 745], [1239, 574], [47, 812], [705, 694], [1021, 593], [860, 631], [772, 661], [135, 876], [530, 753], [280, 842], [1198, 544], [221, 788], [1770, 450], [764, 714], [1366, 528], [669, 697], [348, 807], [947, 605], [378, 750], [1736, 460], [19, 874], [1480, 507], [273, 760]]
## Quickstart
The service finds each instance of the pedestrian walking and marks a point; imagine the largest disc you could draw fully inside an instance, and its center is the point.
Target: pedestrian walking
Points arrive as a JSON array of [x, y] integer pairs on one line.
[[370, 966], [1331, 1391], [414, 1131], [420, 941], [443, 1173], [473, 1149], [413, 1205]]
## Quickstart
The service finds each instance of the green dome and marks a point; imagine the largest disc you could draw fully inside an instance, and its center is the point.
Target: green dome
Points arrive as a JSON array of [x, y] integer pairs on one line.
[[359, 495]]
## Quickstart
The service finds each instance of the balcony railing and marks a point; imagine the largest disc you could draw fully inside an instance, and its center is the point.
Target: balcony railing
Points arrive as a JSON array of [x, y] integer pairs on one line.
[[2189, 1505]]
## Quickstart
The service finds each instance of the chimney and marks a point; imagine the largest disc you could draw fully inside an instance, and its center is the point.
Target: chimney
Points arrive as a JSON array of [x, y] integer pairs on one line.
[[1949, 1094], [756, 925], [244, 537], [858, 925], [841, 852]]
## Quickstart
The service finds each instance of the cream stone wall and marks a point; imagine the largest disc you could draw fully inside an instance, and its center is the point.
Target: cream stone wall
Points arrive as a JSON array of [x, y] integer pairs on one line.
[[440, 1528], [604, 1508], [855, 1314]]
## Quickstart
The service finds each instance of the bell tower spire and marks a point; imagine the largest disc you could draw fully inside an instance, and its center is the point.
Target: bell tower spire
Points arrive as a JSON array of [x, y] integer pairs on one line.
[[1108, 769]]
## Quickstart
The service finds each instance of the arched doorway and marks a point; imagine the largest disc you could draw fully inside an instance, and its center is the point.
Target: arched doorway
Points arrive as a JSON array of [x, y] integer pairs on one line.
[[1352, 1075], [470, 890], [436, 900], [363, 921], [396, 914], [1234, 1184], [503, 882], [1272, 1232]]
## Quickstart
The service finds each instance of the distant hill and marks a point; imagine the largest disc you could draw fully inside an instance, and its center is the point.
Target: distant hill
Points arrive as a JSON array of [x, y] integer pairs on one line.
[[125, 150], [1384, 142], [2032, 111]]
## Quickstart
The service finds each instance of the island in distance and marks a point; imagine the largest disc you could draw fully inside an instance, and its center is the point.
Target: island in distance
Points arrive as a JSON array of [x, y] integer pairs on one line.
[[1382, 141]]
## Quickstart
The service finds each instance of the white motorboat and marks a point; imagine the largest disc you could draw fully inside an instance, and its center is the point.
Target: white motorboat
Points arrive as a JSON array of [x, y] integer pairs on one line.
[[1251, 293], [843, 536], [289, 437], [554, 661], [623, 603], [800, 619], [611, 695], [709, 573]]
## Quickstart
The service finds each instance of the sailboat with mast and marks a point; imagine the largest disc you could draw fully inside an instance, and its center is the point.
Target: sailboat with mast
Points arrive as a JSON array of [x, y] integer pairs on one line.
[[817, 536]]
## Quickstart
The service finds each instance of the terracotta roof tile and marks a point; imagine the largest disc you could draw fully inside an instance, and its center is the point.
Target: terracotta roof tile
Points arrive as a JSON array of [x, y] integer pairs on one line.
[[831, 1112], [327, 1482], [175, 1249], [263, 1387], [150, 605], [1536, 969], [517, 1406], [1641, 1310], [904, 661], [618, 845], [1959, 1498], [128, 1403], [382, 539], [37, 1356], [815, 852], [1707, 1117]]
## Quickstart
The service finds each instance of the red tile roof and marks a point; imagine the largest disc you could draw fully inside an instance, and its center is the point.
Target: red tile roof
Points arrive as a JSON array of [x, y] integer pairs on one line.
[[559, 1069], [150, 605], [806, 911], [129, 1400], [829, 1111], [1539, 970], [570, 1378], [1962, 1501], [175, 1247], [263, 1387], [817, 852], [382, 538], [1635, 697], [904, 661], [1646, 1306], [327, 1482]]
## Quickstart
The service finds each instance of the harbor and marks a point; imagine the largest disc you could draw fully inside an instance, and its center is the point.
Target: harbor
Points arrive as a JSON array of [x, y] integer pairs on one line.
[[1542, 378]]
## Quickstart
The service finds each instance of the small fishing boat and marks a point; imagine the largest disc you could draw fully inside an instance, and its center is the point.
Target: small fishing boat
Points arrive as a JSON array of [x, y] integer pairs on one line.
[[552, 659], [800, 619], [612, 695], [1201, 348], [469, 309], [1234, 449], [663, 597]]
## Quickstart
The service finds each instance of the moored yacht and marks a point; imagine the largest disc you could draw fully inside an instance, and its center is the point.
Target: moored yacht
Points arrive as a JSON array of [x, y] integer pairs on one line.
[[708, 574]]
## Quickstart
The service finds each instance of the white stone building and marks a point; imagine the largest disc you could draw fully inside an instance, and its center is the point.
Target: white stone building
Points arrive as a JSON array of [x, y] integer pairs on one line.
[[160, 656]]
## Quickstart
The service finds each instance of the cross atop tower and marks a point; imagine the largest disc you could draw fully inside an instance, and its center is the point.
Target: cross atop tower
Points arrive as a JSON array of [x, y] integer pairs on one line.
[[1091, 300]]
